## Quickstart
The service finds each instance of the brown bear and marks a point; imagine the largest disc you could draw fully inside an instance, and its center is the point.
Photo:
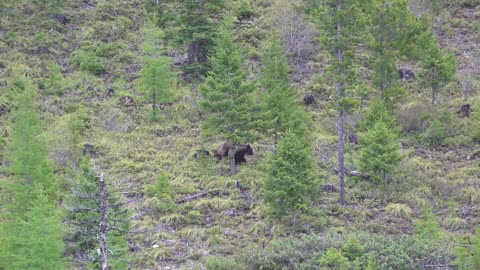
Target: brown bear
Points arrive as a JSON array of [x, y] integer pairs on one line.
[[222, 150], [240, 152]]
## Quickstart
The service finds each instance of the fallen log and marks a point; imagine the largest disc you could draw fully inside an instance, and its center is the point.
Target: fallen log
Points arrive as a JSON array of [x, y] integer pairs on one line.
[[216, 192], [193, 197], [354, 173]]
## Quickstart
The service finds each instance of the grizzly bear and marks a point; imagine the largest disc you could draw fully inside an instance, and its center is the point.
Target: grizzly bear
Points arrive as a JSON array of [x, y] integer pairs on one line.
[[240, 152]]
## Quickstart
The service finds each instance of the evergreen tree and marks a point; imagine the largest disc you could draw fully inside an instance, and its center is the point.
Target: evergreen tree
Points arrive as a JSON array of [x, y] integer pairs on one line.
[[334, 260], [377, 112], [427, 226], [475, 258], [163, 193], [227, 95], [279, 96], [32, 240], [352, 249], [372, 264], [385, 32], [380, 151], [156, 76], [83, 215], [394, 30], [28, 153], [461, 258], [342, 22], [30, 229], [439, 68], [290, 184], [198, 21]]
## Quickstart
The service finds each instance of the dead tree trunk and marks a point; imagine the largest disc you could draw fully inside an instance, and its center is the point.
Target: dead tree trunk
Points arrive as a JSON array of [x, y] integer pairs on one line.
[[340, 150], [340, 116], [233, 165], [103, 227]]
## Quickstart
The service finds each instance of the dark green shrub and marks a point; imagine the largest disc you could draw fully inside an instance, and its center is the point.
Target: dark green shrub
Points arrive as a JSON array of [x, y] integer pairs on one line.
[[352, 249], [106, 50], [88, 61], [245, 11], [306, 251], [435, 134]]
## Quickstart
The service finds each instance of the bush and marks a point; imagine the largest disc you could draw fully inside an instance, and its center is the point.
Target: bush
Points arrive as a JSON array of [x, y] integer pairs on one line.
[[114, 120], [413, 118], [435, 133], [222, 263], [398, 210], [194, 217], [470, 194], [307, 251], [88, 61], [106, 50], [245, 11], [333, 259], [352, 249]]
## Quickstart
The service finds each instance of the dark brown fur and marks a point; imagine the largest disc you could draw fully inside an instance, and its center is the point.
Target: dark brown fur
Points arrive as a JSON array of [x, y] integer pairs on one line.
[[240, 152], [222, 150]]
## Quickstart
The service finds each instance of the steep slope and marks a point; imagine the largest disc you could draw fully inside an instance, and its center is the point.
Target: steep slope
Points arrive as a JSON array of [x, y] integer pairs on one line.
[[76, 52]]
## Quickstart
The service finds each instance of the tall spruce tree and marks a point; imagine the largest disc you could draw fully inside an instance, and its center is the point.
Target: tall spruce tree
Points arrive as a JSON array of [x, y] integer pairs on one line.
[[394, 29], [198, 22], [30, 228], [227, 94], [280, 112], [342, 22], [156, 76], [87, 207], [290, 184]]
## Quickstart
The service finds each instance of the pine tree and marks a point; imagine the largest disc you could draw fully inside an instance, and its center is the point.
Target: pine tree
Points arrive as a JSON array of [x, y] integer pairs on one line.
[[342, 22], [290, 184], [372, 264], [227, 95], [84, 214], [279, 108], [439, 68], [28, 153], [198, 21], [461, 258], [475, 258], [352, 249], [394, 28], [32, 239], [427, 226], [380, 151], [156, 76], [377, 112], [30, 229], [163, 193], [334, 260]]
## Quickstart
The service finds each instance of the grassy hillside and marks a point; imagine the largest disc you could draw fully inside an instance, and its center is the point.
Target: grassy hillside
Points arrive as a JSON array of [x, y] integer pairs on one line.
[[74, 51]]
